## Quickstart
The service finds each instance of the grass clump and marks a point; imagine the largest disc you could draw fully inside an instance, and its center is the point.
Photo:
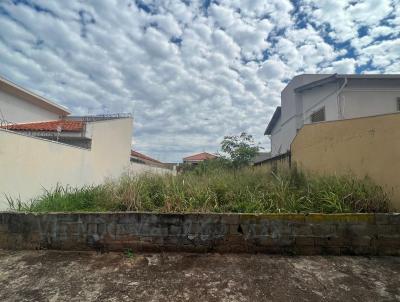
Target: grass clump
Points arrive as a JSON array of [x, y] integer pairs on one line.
[[248, 190]]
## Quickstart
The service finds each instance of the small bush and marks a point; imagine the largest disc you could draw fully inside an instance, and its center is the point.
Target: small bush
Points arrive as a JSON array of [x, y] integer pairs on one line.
[[219, 188]]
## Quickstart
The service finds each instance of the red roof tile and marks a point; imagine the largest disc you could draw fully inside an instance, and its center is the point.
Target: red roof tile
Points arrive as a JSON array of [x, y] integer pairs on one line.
[[66, 125], [200, 157], [142, 156]]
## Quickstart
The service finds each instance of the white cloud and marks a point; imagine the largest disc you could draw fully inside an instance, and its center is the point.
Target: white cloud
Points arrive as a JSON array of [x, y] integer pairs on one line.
[[223, 16], [274, 69], [190, 73], [346, 66], [370, 12], [381, 31], [345, 17], [383, 53], [167, 24]]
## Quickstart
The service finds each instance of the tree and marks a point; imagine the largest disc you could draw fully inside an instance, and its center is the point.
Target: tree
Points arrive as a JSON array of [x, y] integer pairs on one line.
[[240, 148]]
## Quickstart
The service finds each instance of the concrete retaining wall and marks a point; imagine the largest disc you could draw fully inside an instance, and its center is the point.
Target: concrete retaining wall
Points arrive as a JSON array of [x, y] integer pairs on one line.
[[361, 234]]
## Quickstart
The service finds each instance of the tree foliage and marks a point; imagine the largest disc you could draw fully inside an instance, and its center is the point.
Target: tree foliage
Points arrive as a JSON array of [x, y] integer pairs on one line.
[[240, 148]]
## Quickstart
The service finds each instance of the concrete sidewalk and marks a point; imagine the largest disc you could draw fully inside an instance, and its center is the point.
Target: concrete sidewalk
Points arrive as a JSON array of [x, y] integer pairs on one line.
[[72, 276]]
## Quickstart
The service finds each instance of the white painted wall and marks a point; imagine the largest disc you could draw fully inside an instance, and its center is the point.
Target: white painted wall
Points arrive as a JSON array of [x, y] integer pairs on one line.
[[286, 134], [137, 169], [17, 110], [29, 164], [289, 98], [276, 139], [360, 103], [360, 98], [315, 99]]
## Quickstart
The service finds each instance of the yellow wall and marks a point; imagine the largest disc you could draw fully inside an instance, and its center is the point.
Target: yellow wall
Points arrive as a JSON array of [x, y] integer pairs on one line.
[[28, 164], [363, 146]]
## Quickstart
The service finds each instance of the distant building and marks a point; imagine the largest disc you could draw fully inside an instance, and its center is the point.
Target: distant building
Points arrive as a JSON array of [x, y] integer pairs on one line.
[[313, 98], [198, 158], [140, 158], [143, 164], [18, 105]]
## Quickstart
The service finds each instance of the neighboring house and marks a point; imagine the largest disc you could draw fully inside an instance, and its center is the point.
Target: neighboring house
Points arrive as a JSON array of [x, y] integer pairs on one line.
[[312, 98], [143, 164], [19, 105], [64, 131], [140, 158], [41, 146], [198, 158]]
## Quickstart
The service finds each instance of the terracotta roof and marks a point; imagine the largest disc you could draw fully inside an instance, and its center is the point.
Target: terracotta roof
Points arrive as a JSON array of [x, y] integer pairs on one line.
[[142, 156], [66, 125], [200, 157]]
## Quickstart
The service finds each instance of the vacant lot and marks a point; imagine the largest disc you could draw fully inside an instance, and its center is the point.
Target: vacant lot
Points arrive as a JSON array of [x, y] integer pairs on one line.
[[56, 276], [208, 189]]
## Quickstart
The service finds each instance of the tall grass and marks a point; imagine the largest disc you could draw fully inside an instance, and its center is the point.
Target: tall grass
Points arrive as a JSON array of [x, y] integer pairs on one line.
[[249, 190]]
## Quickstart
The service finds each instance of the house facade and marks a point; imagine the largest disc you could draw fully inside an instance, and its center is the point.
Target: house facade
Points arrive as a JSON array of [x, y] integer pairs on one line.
[[313, 98], [42, 146], [18, 105], [198, 158]]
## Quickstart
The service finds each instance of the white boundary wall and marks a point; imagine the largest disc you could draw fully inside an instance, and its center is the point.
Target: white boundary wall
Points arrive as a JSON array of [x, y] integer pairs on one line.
[[140, 169], [28, 165]]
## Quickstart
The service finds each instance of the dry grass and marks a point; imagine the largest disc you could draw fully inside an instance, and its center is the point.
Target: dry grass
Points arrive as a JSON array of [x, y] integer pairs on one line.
[[249, 190]]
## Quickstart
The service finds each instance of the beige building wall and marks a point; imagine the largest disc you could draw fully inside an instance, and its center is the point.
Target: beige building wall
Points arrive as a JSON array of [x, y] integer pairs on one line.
[[28, 164], [368, 146]]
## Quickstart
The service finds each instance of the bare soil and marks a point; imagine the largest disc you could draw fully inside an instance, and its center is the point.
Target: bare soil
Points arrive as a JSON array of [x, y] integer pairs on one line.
[[85, 276]]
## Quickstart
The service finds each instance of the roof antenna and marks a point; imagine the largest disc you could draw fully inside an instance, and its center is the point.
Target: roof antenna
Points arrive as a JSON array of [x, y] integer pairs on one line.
[[59, 129]]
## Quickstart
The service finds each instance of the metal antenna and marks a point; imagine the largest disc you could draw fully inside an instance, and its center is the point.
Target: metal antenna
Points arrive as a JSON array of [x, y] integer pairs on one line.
[[59, 129]]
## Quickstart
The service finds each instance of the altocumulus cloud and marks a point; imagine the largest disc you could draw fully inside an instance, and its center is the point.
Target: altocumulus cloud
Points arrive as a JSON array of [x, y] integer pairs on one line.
[[190, 71]]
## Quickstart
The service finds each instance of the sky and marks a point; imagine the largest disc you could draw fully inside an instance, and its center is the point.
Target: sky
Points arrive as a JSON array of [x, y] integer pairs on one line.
[[190, 72]]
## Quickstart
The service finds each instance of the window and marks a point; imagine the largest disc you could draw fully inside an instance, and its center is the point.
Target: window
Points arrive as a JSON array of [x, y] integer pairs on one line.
[[318, 116], [398, 104]]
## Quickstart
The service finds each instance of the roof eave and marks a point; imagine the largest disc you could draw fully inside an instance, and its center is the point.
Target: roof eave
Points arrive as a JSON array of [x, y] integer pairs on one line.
[[32, 97], [273, 121], [320, 82]]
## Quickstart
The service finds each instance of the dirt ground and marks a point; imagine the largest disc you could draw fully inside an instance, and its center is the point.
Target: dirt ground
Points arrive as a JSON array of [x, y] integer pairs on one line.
[[72, 276]]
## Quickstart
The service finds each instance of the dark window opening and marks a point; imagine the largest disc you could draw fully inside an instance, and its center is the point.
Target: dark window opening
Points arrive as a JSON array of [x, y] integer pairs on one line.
[[318, 116], [398, 104]]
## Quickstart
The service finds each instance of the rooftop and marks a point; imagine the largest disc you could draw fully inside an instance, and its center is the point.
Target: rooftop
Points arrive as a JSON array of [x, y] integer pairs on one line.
[[335, 77], [144, 157], [66, 124], [200, 157], [31, 97], [261, 157], [51, 126]]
